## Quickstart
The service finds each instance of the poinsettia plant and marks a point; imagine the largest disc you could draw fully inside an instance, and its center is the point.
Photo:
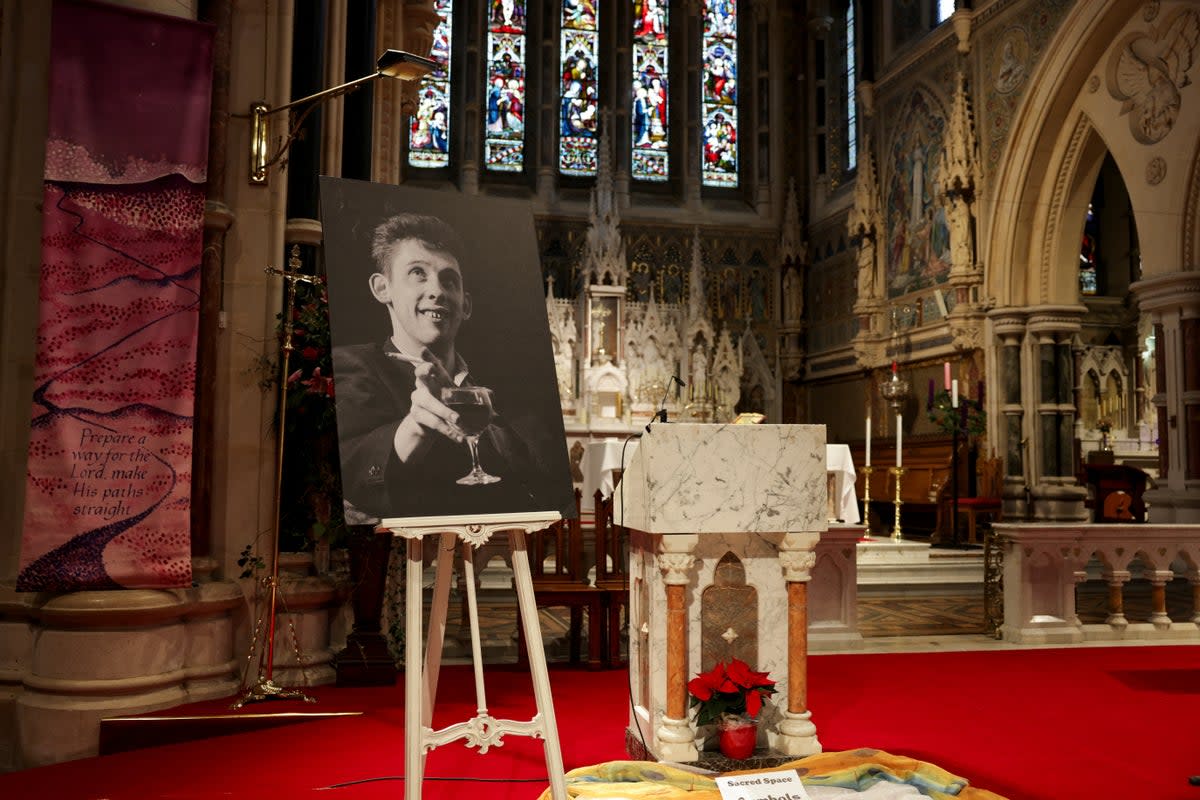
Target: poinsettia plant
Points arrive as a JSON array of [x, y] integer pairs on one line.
[[729, 689]]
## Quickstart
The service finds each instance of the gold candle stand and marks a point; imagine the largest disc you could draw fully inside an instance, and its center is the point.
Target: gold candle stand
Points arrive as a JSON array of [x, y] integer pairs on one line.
[[867, 470], [899, 473]]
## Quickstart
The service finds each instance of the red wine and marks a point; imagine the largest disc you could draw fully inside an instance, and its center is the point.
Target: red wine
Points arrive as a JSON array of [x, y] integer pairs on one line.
[[472, 417]]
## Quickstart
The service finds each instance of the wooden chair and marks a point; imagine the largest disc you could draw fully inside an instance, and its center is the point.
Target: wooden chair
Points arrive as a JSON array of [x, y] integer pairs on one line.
[[612, 574], [988, 495], [559, 576]]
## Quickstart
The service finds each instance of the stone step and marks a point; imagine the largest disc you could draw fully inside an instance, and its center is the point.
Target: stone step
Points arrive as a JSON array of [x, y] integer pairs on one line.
[[906, 567]]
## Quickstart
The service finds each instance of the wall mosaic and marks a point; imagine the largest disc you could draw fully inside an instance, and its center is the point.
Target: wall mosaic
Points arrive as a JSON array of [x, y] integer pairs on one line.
[[917, 250], [1010, 52]]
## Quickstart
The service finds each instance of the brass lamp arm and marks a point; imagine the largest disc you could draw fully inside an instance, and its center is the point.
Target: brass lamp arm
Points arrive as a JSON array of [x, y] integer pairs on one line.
[[392, 64]]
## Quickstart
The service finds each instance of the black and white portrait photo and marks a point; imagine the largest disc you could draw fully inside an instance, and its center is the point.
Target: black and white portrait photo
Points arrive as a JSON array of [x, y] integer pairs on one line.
[[446, 397]]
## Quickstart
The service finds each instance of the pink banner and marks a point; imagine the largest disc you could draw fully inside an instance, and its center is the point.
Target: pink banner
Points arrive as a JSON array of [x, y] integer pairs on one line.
[[108, 491]]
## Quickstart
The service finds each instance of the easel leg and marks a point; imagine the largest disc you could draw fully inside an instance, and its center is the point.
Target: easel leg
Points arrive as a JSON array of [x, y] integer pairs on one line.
[[476, 647], [537, 662], [437, 622], [414, 746]]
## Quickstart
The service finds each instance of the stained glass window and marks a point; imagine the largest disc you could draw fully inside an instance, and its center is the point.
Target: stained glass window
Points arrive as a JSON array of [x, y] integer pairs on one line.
[[851, 109], [945, 8], [504, 125], [650, 90], [1088, 261], [578, 109], [719, 93], [429, 132]]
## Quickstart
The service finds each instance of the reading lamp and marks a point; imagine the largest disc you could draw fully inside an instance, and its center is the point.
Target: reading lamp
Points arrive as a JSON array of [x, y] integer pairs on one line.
[[392, 64]]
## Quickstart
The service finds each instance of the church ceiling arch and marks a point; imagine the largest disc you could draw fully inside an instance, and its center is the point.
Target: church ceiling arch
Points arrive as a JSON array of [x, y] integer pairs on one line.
[[1069, 119]]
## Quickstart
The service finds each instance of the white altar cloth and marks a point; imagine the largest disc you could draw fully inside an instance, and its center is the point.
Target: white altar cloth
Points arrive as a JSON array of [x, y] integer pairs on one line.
[[839, 462], [600, 460]]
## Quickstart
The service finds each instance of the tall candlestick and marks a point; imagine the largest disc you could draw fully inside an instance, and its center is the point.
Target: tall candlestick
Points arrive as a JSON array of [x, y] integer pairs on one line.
[[954, 393], [868, 440], [899, 437], [946, 371]]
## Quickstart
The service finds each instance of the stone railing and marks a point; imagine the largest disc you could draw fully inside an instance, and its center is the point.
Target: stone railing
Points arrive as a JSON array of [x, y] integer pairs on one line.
[[1046, 563]]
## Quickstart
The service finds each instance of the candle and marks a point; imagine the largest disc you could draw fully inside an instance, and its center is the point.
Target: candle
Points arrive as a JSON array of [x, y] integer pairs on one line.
[[868, 440], [954, 393], [946, 371], [894, 369], [899, 436]]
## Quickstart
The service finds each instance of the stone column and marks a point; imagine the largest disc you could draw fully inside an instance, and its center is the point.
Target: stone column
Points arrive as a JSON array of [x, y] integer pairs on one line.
[[1009, 329], [676, 740], [1173, 303], [797, 734], [1056, 494]]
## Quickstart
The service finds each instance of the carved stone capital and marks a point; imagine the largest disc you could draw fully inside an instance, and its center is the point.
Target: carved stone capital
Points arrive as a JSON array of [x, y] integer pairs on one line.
[[676, 567], [797, 565], [1056, 319]]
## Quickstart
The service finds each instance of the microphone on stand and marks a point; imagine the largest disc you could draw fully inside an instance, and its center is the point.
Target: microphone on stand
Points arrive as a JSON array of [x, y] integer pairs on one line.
[[661, 414]]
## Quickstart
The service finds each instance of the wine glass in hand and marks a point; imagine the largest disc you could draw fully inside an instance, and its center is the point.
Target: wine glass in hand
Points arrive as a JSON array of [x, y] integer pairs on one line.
[[473, 404]]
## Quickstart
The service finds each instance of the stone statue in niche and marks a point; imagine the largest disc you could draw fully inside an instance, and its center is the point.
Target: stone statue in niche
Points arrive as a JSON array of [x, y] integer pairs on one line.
[[866, 267], [699, 371], [958, 219], [793, 301]]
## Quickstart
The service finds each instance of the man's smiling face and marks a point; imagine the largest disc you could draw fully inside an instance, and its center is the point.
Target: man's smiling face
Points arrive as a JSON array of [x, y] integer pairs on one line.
[[423, 290]]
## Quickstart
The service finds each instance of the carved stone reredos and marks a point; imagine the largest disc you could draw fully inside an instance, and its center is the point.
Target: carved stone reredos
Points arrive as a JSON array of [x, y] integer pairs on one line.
[[865, 218], [727, 367], [604, 259], [960, 158], [757, 371], [791, 237], [605, 378], [699, 331]]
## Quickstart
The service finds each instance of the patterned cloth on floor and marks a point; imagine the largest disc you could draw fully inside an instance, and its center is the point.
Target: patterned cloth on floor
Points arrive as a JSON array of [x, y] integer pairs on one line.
[[862, 773]]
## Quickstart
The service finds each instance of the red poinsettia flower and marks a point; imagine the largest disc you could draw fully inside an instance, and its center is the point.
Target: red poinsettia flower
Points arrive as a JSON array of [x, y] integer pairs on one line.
[[729, 690], [704, 684]]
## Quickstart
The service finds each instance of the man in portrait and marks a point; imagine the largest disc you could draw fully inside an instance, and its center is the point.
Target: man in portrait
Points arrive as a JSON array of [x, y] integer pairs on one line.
[[423, 431]]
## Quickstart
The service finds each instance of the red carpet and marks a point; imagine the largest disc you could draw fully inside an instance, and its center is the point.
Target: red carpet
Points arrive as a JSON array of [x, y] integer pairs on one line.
[[1030, 724]]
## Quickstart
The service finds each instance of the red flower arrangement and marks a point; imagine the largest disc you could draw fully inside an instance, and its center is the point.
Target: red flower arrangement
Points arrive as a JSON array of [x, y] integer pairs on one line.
[[729, 690]]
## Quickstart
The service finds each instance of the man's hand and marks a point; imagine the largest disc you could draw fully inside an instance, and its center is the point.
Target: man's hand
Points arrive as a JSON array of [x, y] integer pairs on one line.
[[428, 416]]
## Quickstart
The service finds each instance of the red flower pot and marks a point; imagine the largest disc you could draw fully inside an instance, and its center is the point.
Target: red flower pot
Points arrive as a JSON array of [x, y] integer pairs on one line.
[[738, 737]]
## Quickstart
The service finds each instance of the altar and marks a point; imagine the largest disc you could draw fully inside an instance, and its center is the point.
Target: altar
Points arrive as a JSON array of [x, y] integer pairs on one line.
[[724, 520]]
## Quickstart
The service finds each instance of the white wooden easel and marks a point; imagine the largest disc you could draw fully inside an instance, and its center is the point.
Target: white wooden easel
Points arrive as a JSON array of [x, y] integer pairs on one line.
[[420, 690]]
